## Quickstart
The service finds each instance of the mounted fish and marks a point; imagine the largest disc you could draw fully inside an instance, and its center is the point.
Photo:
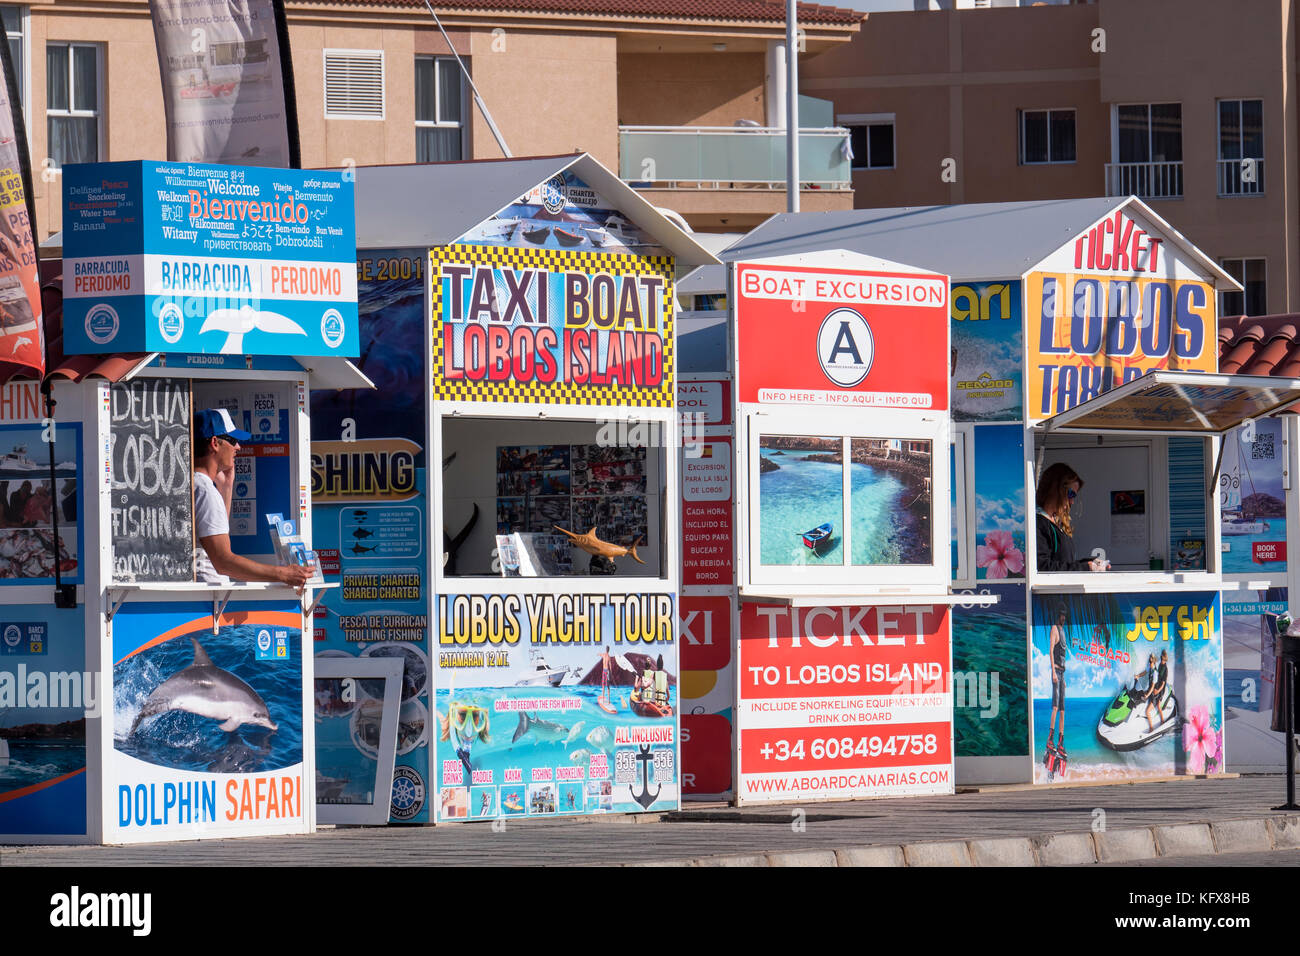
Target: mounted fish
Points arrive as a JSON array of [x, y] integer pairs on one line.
[[601, 549]]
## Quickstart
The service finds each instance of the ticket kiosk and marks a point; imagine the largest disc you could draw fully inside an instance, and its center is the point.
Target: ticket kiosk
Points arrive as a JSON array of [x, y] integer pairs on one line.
[[139, 704]]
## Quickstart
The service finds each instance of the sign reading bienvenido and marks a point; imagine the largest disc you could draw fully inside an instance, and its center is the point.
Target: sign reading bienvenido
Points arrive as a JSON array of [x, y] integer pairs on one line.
[[194, 258]]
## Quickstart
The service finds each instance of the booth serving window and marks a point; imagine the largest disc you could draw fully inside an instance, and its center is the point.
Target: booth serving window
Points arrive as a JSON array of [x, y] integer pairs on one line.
[[548, 498], [853, 507], [1159, 458], [152, 512]]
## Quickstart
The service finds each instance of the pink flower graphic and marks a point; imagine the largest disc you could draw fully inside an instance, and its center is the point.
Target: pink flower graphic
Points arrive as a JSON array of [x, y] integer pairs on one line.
[[1000, 555], [1200, 739]]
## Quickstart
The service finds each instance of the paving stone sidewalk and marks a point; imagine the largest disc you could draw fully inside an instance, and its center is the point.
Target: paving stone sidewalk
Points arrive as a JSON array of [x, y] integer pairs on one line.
[[1023, 826]]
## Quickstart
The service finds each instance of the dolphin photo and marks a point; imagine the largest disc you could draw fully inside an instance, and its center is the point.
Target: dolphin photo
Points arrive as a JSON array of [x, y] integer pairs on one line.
[[204, 701]]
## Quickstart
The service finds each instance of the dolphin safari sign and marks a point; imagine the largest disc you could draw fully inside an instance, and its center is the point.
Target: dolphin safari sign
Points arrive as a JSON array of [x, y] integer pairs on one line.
[[194, 258]]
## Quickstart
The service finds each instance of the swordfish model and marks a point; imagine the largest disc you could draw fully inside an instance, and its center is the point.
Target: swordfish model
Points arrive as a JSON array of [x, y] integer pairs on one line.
[[602, 549], [207, 690]]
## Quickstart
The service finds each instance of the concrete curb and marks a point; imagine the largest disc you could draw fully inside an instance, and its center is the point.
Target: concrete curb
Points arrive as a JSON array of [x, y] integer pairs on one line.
[[1251, 835]]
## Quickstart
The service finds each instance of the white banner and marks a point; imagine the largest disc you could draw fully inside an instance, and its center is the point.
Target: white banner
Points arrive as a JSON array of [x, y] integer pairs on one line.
[[223, 81]]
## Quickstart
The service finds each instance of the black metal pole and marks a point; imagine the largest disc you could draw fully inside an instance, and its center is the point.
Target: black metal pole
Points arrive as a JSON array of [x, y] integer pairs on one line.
[[65, 595]]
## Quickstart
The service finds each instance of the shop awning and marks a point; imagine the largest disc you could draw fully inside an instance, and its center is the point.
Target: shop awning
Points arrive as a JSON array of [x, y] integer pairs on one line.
[[1179, 403]]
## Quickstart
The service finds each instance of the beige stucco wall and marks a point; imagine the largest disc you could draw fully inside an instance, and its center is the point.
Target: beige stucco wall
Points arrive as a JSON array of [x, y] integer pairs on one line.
[[955, 81], [549, 93], [690, 89], [1208, 51], [366, 142]]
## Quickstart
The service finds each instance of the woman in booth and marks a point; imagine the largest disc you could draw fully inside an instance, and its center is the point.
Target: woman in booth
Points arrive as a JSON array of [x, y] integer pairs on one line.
[[1057, 489]]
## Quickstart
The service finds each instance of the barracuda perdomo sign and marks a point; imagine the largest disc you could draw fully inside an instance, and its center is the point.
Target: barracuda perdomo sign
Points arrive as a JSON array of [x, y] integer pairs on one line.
[[198, 258]]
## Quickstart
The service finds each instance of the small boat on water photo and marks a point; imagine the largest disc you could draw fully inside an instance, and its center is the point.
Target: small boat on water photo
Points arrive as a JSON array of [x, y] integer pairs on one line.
[[536, 234], [1242, 525], [569, 238], [817, 537], [598, 236]]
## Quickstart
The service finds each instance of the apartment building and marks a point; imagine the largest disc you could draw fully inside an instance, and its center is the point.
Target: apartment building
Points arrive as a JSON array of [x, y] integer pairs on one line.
[[1189, 104], [685, 98]]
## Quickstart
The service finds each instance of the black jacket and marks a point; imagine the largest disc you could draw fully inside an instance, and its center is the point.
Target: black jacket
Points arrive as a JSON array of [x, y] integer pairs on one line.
[[1056, 548]]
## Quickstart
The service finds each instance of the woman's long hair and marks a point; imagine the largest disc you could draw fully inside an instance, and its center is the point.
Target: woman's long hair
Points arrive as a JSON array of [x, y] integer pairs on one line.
[[1051, 489]]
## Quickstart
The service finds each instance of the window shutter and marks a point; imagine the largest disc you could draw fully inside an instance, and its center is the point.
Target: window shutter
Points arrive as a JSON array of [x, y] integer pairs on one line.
[[354, 84]]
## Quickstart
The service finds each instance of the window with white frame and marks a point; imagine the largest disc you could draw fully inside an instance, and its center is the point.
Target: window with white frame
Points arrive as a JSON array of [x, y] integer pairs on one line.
[[871, 136], [1148, 151], [15, 22], [1241, 147], [1253, 300], [439, 110], [1047, 136], [73, 108], [354, 84]]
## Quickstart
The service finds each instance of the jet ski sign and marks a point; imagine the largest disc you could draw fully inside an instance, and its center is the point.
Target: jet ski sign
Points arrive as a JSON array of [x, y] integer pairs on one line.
[[1127, 685], [196, 258], [551, 326], [836, 329]]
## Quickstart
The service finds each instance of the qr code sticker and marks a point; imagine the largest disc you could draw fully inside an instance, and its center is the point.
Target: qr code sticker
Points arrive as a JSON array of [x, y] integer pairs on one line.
[[664, 766], [1262, 447], [625, 766]]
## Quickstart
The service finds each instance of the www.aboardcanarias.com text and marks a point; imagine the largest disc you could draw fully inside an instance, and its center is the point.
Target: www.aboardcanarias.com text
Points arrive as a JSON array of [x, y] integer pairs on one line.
[[838, 781]]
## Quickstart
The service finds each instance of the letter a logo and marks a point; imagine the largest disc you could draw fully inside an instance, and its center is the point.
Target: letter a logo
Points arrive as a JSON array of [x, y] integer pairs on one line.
[[845, 347]]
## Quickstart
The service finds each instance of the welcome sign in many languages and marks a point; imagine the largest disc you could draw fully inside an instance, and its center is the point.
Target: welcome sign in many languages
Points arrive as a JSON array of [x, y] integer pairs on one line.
[[194, 258]]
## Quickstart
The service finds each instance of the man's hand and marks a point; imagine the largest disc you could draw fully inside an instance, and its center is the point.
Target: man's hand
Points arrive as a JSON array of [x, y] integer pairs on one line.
[[225, 482], [294, 575]]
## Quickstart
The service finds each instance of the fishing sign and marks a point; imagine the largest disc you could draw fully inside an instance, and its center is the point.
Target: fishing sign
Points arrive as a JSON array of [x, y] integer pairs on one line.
[[195, 258], [551, 326], [1117, 303]]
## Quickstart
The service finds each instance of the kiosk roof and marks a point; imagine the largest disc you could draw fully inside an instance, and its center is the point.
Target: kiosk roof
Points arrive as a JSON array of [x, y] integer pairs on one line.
[[972, 241], [1179, 403], [434, 204]]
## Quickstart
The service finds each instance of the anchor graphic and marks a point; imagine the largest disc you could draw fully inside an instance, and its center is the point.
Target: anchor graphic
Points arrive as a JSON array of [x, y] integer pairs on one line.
[[645, 797]]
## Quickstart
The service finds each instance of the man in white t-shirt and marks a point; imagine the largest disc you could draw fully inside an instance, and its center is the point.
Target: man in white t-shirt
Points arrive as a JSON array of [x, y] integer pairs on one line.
[[216, 440]]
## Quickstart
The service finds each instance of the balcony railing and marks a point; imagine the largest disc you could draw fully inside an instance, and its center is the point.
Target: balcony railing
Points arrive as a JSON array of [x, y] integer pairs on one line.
[[722, 157], [1145, 180], [1241, 177]]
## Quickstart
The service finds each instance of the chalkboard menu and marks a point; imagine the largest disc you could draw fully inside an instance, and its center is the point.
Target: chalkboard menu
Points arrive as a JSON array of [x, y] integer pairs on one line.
[[152, 481]]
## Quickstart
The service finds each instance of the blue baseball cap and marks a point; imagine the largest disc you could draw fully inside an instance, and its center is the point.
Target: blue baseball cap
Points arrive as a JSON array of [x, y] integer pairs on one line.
[[216, 422]]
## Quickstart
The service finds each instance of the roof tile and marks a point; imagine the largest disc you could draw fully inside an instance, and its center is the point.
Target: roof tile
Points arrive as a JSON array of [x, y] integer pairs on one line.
[[765, 11], [1260, 345]]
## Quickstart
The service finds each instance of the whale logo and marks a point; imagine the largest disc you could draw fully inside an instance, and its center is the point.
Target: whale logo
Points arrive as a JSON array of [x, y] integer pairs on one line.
[[236, 323]]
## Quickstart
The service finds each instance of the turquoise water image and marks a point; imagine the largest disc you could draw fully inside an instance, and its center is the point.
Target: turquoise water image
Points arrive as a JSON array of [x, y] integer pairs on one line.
[[887, 528], [1090, 759], [990, 645], [801, 494], [801, 487], [1241, 548]]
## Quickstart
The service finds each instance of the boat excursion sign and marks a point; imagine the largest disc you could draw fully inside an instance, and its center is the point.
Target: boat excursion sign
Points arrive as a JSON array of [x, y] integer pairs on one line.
[[552, 326], [842, 332], [199, 258]]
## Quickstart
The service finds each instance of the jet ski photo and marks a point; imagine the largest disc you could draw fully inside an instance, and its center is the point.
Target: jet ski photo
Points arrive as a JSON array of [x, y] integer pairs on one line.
[[1124, 725]]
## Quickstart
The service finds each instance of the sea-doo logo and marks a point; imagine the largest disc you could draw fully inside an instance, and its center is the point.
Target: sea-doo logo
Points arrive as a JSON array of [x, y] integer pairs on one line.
[[102, 323], [845, 347]]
